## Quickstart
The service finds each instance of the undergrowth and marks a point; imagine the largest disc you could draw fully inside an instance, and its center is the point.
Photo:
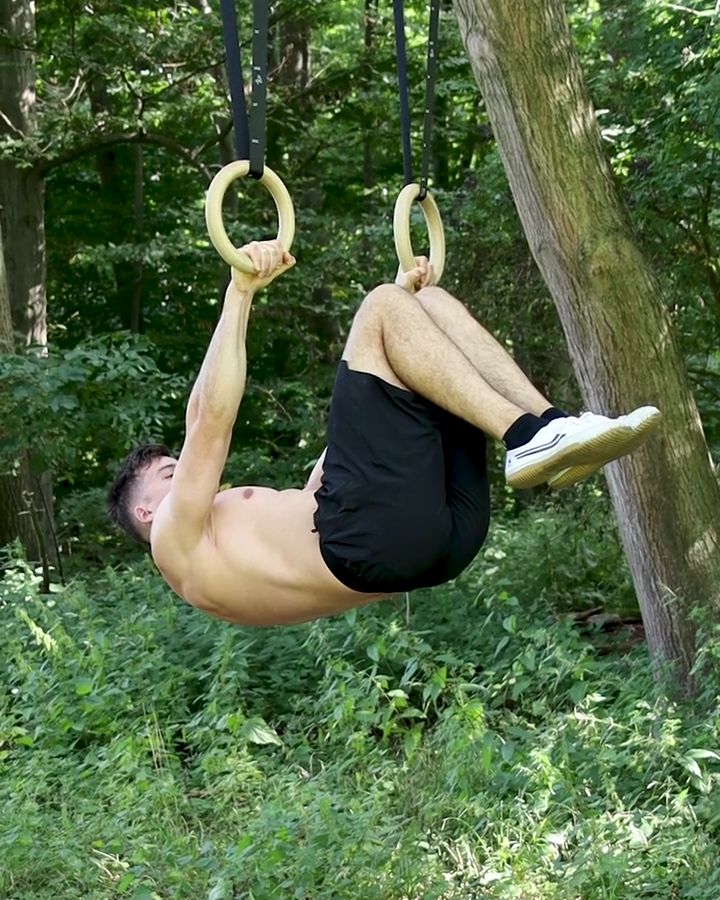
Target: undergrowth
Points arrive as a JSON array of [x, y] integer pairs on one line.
[[480, 741]]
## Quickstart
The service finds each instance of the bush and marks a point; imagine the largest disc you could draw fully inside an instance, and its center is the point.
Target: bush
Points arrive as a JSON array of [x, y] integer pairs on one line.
[[469, 743]]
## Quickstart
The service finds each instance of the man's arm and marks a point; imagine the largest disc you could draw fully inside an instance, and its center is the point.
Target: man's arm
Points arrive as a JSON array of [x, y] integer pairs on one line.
[[220, 384], [215, 398], [212, 411]]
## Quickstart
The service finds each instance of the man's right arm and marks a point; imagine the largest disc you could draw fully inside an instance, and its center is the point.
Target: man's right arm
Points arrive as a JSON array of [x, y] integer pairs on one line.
[[215, 398], [224, 369], [211, 415], [220, 385]]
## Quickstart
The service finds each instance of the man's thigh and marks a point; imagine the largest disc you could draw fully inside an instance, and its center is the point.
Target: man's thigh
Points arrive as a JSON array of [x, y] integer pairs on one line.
[[364, 349]]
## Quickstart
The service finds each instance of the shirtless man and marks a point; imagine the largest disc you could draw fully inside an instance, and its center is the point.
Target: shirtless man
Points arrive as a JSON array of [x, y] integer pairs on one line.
[[398, 500]]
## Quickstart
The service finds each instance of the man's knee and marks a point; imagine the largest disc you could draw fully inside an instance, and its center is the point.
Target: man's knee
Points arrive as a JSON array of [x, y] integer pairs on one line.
[[431, 293], [383, 295], [365, 347]]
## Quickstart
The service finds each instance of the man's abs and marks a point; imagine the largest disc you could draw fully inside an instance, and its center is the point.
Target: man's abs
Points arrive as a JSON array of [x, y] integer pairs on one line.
[[259, 562]]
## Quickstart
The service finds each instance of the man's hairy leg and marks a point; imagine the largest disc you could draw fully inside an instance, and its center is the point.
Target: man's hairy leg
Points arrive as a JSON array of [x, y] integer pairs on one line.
[[489, 357], [394, 338]]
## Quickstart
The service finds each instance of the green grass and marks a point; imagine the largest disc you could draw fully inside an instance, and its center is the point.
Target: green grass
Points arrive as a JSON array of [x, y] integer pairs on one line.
[[485, 748]]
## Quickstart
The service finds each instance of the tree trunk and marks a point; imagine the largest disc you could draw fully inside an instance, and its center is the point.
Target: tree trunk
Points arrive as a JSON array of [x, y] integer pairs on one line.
[[369, 113], [621, 340], [294, 64], [22, 247], [136, 312], [14, 520], [21, 188], [7, 339], [117, 191]]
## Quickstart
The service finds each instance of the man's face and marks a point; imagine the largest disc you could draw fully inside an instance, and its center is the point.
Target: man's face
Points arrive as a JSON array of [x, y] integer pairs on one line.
[[152, 488]]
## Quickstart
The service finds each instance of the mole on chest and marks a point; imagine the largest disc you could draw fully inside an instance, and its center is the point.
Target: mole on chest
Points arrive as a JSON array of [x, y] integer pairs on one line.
[[247, 493]]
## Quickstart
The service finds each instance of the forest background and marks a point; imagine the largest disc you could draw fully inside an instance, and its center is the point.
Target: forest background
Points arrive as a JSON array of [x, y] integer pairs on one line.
[[148, 751]]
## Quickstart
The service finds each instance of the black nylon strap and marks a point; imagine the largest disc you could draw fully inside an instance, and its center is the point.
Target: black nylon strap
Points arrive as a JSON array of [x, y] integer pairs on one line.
[[235, 79], [401, 55], [430, 80], [249, 132], [258, 87]]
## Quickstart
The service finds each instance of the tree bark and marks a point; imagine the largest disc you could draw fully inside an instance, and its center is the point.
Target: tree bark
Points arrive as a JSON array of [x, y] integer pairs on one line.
[[369, 115], [294, 64], [621, 339], [136, 311], [7, 339], [14, 521], [22, 247], [21, 188]]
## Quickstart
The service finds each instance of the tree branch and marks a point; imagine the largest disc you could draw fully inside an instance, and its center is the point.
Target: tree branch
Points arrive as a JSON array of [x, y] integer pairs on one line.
[[700, 13], [12, 127], [137, 137], [222, 132]]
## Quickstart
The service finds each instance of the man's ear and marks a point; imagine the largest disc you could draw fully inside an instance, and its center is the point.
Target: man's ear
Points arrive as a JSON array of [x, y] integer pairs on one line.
[[143, 514]]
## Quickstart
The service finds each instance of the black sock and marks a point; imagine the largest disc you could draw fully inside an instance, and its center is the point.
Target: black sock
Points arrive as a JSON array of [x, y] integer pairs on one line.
[[554, 413], [523, 430]]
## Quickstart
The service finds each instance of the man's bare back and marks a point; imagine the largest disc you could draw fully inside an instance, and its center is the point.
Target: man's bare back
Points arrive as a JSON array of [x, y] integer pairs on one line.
[[258, 561]]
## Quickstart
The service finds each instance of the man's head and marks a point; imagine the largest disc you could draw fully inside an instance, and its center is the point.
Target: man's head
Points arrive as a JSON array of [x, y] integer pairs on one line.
[[141, 485]]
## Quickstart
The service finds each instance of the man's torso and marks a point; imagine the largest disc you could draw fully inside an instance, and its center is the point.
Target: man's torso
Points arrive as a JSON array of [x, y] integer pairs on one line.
[[258, 561]]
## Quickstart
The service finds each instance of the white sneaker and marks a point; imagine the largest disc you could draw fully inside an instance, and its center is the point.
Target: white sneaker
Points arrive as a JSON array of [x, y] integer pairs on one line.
[[586, 443], [642, 420]]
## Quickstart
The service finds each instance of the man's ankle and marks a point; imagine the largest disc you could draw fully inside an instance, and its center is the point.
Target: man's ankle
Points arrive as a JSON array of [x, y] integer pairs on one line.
[[553, 413], [523, 430]]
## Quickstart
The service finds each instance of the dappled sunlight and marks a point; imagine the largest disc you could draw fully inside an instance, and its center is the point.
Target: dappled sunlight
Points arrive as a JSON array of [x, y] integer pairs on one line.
[[27, 103], [704, 549]]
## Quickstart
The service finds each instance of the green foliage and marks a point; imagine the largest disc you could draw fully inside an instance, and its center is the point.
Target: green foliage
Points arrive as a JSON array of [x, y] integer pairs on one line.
[[663, 135], [72, 410], [488, 739], [484, 746], [113, 80]]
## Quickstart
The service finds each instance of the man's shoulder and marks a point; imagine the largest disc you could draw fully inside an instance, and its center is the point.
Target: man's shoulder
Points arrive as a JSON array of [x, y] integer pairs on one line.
[[172, 543]]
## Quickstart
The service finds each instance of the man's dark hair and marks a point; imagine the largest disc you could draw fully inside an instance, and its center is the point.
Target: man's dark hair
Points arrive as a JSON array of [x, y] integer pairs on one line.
[[118, 498]]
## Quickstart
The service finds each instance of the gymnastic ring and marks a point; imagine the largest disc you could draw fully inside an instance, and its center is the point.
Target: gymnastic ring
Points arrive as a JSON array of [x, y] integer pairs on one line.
[[214, 212], [401, 230]]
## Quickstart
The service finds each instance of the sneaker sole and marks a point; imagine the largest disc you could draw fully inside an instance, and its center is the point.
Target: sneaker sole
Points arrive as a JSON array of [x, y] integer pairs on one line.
[[569, 477]]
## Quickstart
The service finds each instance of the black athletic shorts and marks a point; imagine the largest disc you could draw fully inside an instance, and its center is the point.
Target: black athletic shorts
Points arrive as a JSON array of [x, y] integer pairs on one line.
[[404, 501]]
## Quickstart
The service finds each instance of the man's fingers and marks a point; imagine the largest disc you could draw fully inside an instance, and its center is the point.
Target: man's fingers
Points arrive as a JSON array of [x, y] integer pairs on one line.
[[425, 275], [258, 256], [268, 257], [273, 259]]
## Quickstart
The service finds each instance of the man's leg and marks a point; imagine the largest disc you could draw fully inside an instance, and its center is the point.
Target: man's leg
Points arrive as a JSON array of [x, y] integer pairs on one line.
[[505, 376], [486, 355], [394, 338]]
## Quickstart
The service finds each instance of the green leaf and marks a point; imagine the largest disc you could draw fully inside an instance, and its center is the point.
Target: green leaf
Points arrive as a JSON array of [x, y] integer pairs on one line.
[[577, 692], [257, 731], [143, 892], [702, 753], [83, 686], [125, 881]]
